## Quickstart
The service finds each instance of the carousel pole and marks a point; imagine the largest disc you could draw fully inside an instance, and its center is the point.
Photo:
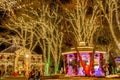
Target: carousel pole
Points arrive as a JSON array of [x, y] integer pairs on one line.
[[64, 67]]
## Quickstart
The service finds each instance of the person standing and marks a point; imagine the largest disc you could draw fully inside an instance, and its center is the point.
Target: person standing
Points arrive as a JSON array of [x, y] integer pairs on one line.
[[32, 75], [37, 74]]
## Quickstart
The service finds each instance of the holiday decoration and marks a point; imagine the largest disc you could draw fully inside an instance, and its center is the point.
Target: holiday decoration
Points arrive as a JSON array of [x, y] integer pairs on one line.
[[84, 63]]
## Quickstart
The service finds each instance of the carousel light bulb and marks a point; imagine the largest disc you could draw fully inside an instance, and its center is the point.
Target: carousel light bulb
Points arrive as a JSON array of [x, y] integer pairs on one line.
[[70, 59]]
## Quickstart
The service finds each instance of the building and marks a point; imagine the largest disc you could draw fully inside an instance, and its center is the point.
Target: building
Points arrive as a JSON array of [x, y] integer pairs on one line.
[[16, 59]]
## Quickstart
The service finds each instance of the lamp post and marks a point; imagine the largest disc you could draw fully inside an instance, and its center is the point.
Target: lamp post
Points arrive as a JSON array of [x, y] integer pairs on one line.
[[27, 64]]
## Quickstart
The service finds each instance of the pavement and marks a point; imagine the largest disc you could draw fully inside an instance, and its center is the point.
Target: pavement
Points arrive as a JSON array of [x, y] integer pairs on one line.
[[84, 78], [61, 78], [13, 78]]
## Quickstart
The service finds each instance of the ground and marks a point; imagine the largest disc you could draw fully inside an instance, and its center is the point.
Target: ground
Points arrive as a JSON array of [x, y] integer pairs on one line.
[[62, 78]]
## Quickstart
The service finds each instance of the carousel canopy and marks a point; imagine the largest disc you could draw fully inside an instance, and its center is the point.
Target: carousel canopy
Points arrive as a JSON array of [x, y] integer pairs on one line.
[[83, 49]]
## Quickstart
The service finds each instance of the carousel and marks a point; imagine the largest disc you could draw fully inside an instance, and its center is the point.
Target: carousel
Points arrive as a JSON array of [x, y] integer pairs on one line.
[[19, 61], [83, 62]]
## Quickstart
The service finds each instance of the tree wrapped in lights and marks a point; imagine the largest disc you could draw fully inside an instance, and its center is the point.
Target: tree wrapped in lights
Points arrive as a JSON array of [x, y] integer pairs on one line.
[[42, 27], [56, 33], [52, 37], [84, 21], [23, 30], [7, 4], [49, 33], [110, 12]]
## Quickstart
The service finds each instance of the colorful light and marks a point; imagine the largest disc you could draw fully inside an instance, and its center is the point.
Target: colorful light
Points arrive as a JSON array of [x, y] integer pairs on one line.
[[80, 69]]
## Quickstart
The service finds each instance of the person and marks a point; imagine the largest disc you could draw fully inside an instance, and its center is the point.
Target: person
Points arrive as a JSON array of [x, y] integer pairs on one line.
[[2, 73], [37, 75], [61, 71], [31, 75]]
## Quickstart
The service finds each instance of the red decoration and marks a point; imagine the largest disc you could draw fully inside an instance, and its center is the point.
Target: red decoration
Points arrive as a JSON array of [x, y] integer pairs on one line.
[[87, 68], [15, 74]]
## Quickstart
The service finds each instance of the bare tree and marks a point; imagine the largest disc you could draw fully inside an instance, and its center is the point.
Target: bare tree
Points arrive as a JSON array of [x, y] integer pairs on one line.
[[7, 4], [24, 31], [42, 31], [9, 7], [83, 22], [53, 36], [56, 33], [49, 33], [110, 10]]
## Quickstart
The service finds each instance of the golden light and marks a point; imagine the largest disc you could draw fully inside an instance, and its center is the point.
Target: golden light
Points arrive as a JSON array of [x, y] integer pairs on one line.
[[26, 55]]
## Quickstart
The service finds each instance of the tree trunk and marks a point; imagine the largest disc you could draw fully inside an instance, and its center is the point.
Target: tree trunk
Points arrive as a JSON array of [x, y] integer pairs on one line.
[[56, 66], [47, 66]]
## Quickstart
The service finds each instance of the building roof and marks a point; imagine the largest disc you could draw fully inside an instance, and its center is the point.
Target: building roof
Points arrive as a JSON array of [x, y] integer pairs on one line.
[[11, 49], [14, 48]]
